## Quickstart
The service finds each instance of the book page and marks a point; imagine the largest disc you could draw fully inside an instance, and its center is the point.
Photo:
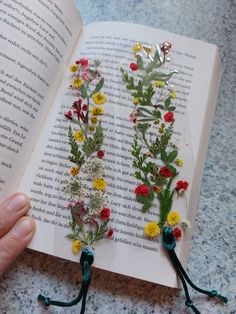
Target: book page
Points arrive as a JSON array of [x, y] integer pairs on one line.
[[36, 40], [112, 43]]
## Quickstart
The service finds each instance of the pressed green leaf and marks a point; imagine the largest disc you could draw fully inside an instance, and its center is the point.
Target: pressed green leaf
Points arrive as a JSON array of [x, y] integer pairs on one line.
[[163, 155], [146, 206], [83, 91], [142, 199], [98, 86], [171, 157], [140, 63], [167, 103], [171, 108], [171, 168]]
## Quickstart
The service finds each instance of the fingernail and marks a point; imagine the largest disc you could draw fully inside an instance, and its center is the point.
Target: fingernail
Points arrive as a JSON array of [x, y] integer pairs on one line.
[[16, 203], [23, 228]]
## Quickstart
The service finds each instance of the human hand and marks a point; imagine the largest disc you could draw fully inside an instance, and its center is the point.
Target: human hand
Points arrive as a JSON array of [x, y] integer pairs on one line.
[[16, 230]]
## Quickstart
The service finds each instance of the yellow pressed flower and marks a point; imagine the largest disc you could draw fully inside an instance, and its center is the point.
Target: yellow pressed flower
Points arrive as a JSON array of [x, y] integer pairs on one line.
[[99, 184], [159, 84], [76, 246], [97, 111], [172, 95], [147, 49], [74, 171], [173, 218], [73, 68], [77, 82], [135, 101], [79, 136], [137, 47], [152, 229], [156, 121], [94, 120], [179, 162], [99, 98], [161, 130], [91, 128]]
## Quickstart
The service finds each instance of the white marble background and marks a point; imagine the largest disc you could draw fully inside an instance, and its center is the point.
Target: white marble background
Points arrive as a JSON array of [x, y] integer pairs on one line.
[[212, 260]]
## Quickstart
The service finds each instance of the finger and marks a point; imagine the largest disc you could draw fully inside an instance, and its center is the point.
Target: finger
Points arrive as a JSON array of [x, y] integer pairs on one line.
[[11, 210], [14, 242]]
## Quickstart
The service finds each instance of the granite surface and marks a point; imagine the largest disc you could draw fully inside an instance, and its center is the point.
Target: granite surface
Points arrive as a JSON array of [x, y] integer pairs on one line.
[[212, 259]]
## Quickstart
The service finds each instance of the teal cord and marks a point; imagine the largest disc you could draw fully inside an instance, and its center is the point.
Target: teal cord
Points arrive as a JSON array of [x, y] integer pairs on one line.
[[86, 260], [169, 243]]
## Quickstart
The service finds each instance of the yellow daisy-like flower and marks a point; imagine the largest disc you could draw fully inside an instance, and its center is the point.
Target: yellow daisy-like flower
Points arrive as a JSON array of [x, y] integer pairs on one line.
[[156, 121], [172, 95], [137, 47], [91, 128], [173, 218], [74, 171], [74, 68], [98, 111], [77, 82], [152, 229], [76, 246], [135, 101], [79, 136], [99, 184], [159, 84], [94, 120], [99, 98], [179, 162]]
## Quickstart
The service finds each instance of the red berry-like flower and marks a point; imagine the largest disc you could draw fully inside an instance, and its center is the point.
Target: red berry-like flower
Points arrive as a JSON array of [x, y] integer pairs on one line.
[[69, 115], [105, 213], [169, 117], [177, 233], [133, 66], [82, 61], [110, 233], [181, 185], [164, 171], [85, 107], [142, 190], [100, 154]]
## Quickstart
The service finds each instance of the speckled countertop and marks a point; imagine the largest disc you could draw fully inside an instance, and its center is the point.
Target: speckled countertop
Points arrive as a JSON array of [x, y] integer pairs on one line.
[[212, 259]]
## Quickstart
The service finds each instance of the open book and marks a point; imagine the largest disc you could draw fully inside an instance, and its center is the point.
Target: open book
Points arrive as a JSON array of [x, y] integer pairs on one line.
[[38, 40]]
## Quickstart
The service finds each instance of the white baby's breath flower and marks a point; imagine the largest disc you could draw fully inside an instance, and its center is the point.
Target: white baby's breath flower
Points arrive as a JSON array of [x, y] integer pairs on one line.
[[94, 168]]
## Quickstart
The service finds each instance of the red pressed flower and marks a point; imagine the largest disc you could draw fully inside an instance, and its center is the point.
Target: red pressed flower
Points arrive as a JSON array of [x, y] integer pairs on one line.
[[169, 117], [110, 233], [100, 154], [165, 47], [85, 107], [177, 233], [69, 115], [104, 213], [181, 185], [82, 61], [164, 171], [133, 66], [142, 190]]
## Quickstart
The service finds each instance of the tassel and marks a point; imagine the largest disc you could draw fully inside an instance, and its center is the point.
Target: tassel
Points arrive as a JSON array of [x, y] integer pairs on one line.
[[169, 243], [86, 260]]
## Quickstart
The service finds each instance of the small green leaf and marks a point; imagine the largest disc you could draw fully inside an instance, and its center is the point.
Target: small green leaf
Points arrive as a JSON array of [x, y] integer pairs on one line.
[[98, 86], [83, 91], [163, 155], [140, 63], [171, 108], [146, 206], [167, 103], [171, 157], [171, 168]]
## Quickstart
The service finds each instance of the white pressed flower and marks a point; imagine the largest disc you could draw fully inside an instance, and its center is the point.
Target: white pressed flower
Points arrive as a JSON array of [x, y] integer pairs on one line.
[[185, 224], [94, 168], [97, 200]]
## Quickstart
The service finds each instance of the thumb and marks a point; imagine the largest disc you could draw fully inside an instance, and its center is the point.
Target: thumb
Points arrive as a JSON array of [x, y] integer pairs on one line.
[[14, 242]]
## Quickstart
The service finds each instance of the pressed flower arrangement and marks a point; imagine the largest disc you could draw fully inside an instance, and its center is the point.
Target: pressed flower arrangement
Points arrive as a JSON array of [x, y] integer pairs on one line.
[[86, 189], [155, 157]]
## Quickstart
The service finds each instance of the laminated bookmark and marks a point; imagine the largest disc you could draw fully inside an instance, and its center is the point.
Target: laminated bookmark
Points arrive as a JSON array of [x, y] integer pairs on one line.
[[85, 188], [157, 158]]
